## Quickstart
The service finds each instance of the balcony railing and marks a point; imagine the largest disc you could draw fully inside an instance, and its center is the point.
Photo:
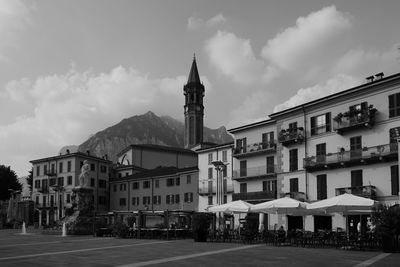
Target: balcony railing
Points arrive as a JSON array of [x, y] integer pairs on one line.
[[50, 173], [205, 189], [255, 149], [355, 119], [367, 155], [291, 136], [300, 196], [266, 170], [367, 191], [257, 196]]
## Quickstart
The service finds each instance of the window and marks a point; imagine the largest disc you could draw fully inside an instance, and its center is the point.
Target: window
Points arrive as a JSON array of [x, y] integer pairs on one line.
[[135, 185], [53, 168], [37, 183], [188, 179], [60, 167], [269, 186], [210, 173], [146, 200], [146, 184], [292, 127], [44, 169], [61, 181], [321, 152], [224, 156], [243, 187], [177, 181], [268, 140], [224, 171], [355, 147], [170, 181], [210, 158], [188, 197], [225, 199], [68, 198], [270, 164], [294, 185], [210, 200], [394, 171], [69, 166], [135, 201], [44, 184], [177, 199], [51, 200], [321, 124], [241, 145], [102, 200], [126, 173], [321, 187], [293, 160], [38, 170], [167, 199], [155, 202], [102, 183], [157, 183], [394, 105], [356, 178], [37, 200], [92, 182], [103, 169], [122, 201], [69, 180], [243, 168], [119, 175], [122, 187], [44, 201], [210, 186], [52, 181], [92, 167]]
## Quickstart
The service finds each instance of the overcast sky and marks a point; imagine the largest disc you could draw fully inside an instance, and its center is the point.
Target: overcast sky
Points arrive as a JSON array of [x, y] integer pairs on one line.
[[69, 69]]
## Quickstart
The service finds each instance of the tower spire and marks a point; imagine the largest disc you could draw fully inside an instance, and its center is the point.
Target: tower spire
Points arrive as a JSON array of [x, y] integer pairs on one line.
[[194, 73]]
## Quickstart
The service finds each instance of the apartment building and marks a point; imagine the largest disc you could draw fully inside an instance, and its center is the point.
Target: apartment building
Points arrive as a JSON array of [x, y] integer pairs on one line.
[[345, 142], [164, 188], [55, 177], [215, 175]]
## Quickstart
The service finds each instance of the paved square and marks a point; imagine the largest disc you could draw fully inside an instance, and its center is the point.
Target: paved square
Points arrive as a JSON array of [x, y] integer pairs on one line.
[[47, 250]]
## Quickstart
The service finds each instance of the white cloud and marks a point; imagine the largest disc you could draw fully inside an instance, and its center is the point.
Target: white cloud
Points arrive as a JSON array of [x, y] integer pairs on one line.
[[14, 16], [338, 83], [234, 57], [197, 23], [306, 41], [67, 108]]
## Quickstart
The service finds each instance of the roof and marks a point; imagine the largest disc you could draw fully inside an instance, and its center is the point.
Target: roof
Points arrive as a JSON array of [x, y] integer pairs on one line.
[[157, 147], [251, 125], [352, 90], [194, 73], [208, 148], [68, 155], [162, 171]]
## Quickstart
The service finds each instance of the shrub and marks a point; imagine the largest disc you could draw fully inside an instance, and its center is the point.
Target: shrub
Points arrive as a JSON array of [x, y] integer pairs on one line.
[[120, 229], [200, 225]]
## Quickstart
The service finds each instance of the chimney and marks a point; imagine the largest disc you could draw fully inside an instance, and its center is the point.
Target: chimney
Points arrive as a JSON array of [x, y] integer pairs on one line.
[[379, 75], [67, 151], [370, 78], [88, 152]]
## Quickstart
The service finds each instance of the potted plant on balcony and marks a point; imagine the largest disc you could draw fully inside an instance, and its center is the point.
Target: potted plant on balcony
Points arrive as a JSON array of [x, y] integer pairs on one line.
[[338, 117]]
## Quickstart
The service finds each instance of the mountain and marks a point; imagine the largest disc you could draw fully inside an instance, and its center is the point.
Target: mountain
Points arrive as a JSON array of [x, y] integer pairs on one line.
[[145, 129]]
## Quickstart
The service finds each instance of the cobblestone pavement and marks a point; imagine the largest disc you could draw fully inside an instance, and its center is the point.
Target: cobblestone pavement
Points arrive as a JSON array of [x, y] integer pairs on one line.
[[35, 249]]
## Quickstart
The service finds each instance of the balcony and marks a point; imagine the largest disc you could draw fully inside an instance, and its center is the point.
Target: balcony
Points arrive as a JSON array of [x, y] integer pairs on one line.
[[50, 173], [255, 196], [255, 149], [367, 155], [367, 191], [291, 136], [255, 172], [300, 196], [205, 189], [363, 118]]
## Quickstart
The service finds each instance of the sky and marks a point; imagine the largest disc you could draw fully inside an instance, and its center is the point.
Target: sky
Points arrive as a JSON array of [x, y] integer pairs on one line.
[[69, 69]]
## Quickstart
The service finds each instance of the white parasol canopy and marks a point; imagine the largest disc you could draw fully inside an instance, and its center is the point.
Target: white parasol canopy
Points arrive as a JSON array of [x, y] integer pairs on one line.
[[343, 203], [285, 205], [237, 206]]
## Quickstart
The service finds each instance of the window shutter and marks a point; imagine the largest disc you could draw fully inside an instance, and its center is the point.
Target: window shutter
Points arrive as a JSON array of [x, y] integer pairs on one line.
[[394, 171], [313, 130], [328, 121], [364, 105]]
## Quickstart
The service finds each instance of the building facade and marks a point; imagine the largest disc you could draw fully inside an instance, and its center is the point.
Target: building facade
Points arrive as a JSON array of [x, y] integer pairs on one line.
[[213, 179], [55, 177]]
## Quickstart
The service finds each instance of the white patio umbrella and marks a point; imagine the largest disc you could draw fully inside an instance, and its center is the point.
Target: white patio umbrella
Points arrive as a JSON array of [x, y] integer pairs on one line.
[[285, 205], [343, 203], [237, 206]]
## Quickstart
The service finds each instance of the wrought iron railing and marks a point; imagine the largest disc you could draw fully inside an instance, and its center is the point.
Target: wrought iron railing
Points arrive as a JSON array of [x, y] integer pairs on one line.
[[259, 195], [367, 191], [205, 188], [255, 148], [289, 136], [255, 171]]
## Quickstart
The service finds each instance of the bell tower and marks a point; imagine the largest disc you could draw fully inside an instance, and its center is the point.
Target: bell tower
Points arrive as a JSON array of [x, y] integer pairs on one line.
[[194, 109]]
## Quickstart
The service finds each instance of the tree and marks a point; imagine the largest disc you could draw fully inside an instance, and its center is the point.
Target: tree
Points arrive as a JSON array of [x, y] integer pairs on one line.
[[29, 180], [8, 180]]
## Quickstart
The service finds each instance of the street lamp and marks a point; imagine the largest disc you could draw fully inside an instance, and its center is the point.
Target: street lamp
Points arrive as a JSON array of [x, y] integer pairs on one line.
[[219, 167]]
